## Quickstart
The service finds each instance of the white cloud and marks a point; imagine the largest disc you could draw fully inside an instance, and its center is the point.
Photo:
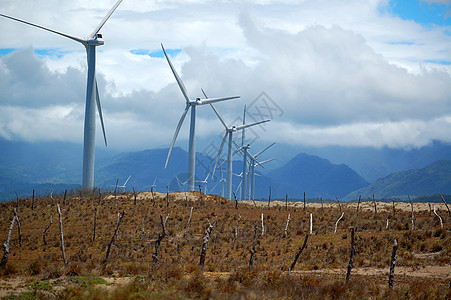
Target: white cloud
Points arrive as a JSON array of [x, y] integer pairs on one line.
[[344, 73]]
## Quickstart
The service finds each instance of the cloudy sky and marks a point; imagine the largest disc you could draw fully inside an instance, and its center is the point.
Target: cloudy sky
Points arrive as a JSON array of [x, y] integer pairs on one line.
[[355, 73]]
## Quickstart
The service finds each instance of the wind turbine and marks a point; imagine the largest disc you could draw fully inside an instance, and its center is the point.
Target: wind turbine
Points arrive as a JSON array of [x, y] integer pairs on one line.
[[190, 103], [122, 186], [229, 130], [253, 163], [92, 94], [205, 181]]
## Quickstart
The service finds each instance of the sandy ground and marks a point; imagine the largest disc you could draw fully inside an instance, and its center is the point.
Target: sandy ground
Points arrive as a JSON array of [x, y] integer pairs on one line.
[[381, 206]]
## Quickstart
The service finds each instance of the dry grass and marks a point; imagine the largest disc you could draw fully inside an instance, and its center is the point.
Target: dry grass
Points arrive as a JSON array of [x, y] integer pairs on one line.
[[319, 273]]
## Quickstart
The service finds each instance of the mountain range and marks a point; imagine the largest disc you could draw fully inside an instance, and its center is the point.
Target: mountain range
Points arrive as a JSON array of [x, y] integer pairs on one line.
[[56, 166]]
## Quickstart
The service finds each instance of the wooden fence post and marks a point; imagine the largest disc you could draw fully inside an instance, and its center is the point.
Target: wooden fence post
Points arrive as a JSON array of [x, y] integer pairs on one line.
[[18, 227], [269, 197], [236, 201], [167, 196], [298, 254], [392, 264], [205, 242], [412, 217], [134, 195], [251, 261], [311, 223], [189, 221], [441, 222], [160, 238], [263, 227], [45, 230], [375, 207], [351, 258], [63, 248], [394, 211], [322, 206], [6, 246], [119, 218], [336, 224], [358, 204], [444, 201], [339, 205], [304, 201], [64, 198], [286, 227], [32, 203]]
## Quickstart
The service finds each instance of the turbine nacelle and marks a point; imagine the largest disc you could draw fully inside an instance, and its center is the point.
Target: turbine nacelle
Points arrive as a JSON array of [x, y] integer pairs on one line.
[[97, 40]]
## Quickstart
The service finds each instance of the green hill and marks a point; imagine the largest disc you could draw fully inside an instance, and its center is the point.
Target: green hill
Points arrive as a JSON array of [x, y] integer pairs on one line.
[[432, 179]]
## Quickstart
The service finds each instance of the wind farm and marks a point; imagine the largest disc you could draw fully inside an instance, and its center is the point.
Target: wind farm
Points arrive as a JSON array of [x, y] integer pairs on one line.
[[336, 180]]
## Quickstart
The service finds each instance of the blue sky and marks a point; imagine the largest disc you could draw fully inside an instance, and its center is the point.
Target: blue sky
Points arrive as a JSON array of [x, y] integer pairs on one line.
[[423, 12], [360, 73]]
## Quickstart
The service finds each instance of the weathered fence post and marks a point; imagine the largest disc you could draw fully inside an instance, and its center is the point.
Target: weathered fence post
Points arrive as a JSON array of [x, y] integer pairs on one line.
[[286, 227], [386, 225], [263, 227], [64, 198], [205, 242], [134, 195], [412, 217], [375, 207], [336, 224], [6, 247], [304, 201], [167, 196], [358, 204], [236, 201], [236, 227], [339, 205], [32, 202], [47, 228], [441, 222], [119, 218], [100, 197], [186, 200], [51, 196], [63, 248], [189, 221], [322, 205], [444, 201], [252, 198], [251, 261], [311, 223], [298, 254], [394, 211], [430, 209], [351, 258], [160, 238], [269, 197], [392, 264]]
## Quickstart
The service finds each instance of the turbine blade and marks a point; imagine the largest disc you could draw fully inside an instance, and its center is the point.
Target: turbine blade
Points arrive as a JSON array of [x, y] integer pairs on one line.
[[179, 125], [125, 183], [80, 40], [99, 108], [219, 153], [108, 15], [177, 77], [267, 147], [213, 100], [203, 92], [239, 127], [219, 116]]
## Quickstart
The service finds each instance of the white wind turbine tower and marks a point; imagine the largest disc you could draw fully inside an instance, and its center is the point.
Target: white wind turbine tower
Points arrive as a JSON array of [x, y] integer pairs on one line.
[[229, 131], [92, 95], [189, 104]]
